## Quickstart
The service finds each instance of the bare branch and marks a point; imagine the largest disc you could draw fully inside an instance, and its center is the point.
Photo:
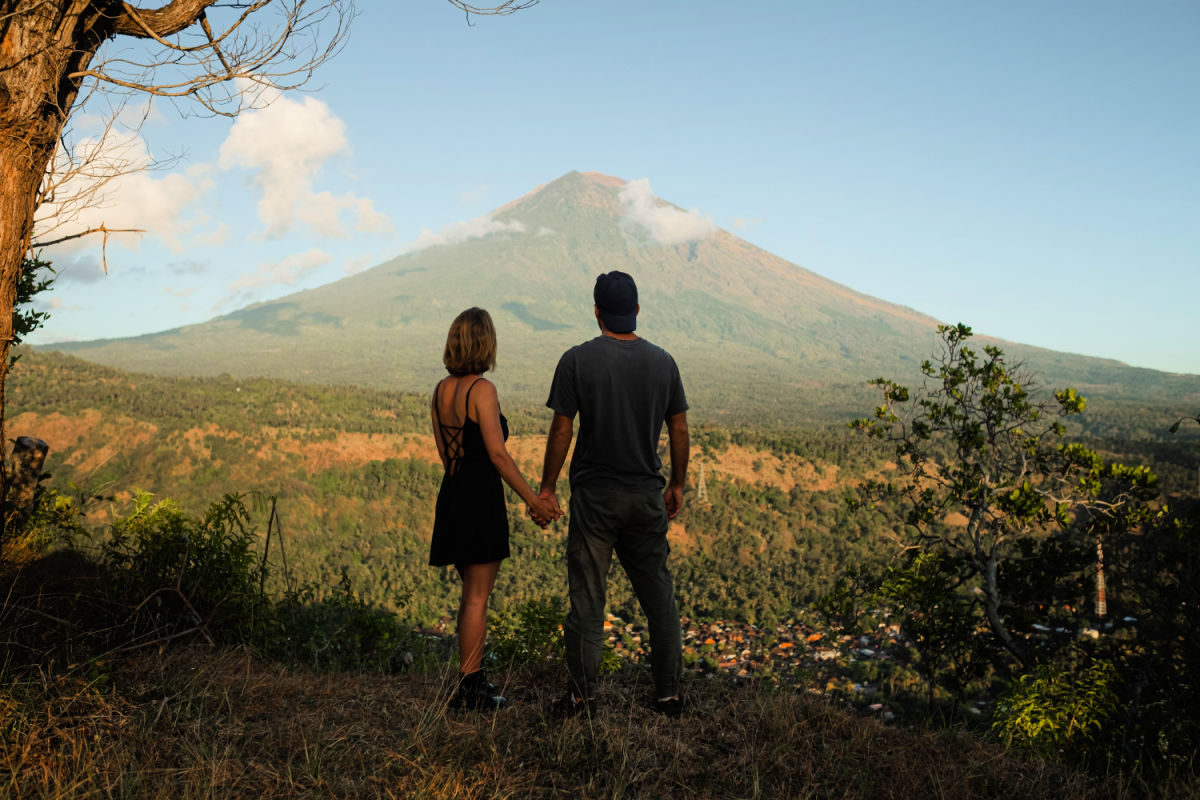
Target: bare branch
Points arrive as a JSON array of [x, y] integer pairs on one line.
[[81, 234], [504, 9], [214, 42], [201, 59], [159, 22]]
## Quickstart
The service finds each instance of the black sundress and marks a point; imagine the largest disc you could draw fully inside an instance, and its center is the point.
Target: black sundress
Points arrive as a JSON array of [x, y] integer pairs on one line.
[[470, 524]]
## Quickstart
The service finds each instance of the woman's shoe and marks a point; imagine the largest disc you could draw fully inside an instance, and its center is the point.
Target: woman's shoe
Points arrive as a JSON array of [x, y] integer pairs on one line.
[[474, 693]]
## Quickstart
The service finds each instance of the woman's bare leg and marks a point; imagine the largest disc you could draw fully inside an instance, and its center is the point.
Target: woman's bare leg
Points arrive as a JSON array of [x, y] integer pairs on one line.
[[477, 583]]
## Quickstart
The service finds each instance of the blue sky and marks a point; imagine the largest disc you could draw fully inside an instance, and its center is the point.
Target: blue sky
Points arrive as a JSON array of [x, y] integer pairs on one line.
[[1029, 168]]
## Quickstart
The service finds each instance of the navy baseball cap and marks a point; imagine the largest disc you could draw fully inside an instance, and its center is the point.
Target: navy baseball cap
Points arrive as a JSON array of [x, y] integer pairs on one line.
[[617, 298]]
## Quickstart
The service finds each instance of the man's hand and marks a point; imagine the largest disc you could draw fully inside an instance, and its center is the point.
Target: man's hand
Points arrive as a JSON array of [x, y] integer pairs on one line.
[[550, 495], [547, 509], [680, 446], [674, 499]]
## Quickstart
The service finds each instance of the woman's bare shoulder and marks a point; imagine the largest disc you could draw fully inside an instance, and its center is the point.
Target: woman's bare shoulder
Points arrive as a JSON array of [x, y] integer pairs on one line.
[[483, 387]]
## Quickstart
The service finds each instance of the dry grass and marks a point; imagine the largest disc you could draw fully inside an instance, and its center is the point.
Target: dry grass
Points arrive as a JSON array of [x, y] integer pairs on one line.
[[202, 725]]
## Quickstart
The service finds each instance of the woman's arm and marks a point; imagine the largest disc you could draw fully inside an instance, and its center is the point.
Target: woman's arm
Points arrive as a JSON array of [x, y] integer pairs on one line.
[[485, 405]]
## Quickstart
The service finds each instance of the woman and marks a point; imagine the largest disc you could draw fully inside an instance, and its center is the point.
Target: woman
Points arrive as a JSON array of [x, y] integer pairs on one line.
[[470, 529]]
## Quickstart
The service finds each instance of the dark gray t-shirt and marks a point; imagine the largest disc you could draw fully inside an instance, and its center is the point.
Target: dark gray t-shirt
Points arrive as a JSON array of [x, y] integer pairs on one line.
[[623, 391]]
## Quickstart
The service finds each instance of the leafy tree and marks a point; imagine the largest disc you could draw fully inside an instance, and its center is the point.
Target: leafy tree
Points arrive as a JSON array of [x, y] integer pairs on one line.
[[984, 469], [940, 621]]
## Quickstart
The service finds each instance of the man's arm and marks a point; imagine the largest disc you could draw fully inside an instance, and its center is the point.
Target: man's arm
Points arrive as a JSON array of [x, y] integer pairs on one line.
[[677, 432], [558, 442]]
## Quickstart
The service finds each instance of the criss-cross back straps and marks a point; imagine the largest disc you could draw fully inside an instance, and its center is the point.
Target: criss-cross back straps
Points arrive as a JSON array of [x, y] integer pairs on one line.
[[452, 435]]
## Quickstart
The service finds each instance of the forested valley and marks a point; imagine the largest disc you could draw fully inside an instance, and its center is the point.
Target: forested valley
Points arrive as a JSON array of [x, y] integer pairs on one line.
[[354, 475]]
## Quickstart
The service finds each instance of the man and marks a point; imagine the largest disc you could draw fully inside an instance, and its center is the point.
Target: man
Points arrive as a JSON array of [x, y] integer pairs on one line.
[[623, 389]]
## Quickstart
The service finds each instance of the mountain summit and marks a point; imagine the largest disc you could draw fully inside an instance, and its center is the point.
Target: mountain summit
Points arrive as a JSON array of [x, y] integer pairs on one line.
[[754, 334]]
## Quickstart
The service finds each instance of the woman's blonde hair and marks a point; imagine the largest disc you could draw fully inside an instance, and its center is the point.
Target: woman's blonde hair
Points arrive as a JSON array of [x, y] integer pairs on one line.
[[471, 343]]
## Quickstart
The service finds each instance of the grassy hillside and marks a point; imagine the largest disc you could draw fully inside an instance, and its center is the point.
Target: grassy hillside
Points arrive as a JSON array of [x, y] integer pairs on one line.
[[198, 724]]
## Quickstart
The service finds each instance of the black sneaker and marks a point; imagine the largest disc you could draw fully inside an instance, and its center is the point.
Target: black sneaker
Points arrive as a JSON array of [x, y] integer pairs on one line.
[[475, 693], [571, 706], [668, 707]]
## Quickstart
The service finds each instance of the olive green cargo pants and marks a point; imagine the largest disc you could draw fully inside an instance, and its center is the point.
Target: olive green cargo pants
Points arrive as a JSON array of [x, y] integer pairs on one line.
[[634, 524]]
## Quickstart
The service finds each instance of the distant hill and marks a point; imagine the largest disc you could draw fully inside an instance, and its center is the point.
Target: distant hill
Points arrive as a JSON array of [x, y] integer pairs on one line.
[[758, 339]]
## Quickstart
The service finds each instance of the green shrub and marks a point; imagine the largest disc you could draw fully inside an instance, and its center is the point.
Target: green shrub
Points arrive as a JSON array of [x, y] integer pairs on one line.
[[1060, 713], [177, 573], [533, 635], [159, 575]]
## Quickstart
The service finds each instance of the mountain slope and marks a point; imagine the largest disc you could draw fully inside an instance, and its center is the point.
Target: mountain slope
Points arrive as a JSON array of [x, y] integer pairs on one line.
[[756, 336]]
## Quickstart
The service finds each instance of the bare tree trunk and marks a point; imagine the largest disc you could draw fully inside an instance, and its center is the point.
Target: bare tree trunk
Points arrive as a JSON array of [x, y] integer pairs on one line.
[[991, 605], [21, 167], [984, 560], [41, 45]]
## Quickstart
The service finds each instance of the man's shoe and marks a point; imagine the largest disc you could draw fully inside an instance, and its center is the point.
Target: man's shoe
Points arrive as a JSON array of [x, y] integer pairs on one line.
[[571, 706], [668, 706]]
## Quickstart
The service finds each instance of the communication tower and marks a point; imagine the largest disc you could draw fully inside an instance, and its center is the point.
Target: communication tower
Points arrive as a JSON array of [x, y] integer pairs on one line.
[[1101, 592], [702, 488]]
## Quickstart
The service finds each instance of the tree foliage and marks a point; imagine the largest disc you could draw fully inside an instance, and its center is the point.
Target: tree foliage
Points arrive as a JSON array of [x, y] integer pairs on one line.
[[1058, 712], [34, 281], [984, 467]]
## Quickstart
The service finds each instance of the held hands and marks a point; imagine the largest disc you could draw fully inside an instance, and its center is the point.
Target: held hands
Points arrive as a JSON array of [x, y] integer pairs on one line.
[[545, 508]]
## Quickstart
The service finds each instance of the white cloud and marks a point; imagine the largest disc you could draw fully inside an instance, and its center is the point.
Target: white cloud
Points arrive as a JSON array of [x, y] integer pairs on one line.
[[356, 265], [286, 144], [214, 238], [368, 220], [117, 187], [665, 224], [179, 294], [457, 232], [282, 273]]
